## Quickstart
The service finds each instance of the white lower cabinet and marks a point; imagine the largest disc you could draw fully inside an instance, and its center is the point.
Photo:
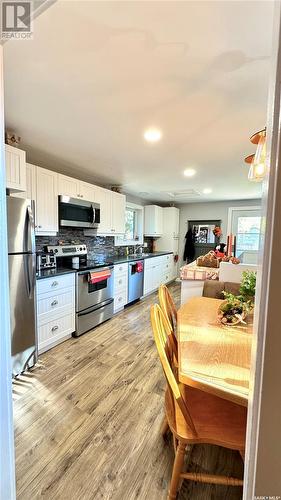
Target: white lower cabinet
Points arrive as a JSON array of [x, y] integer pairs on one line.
[[120, 286], [55, 310], [157, 271]]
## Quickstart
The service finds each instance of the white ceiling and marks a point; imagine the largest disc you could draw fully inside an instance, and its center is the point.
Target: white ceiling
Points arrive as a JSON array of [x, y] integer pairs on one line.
[[97, 74]]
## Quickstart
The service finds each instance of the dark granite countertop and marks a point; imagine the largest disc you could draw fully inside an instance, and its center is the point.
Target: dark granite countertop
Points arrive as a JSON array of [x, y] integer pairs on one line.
[[50, 273], [121, 259]]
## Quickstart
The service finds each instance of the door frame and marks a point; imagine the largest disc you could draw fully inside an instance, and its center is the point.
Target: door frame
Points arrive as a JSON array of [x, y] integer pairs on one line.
[[262, 478]]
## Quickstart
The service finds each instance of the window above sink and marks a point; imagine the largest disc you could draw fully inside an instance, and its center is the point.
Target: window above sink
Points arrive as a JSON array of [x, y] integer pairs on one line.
[[134, 217]]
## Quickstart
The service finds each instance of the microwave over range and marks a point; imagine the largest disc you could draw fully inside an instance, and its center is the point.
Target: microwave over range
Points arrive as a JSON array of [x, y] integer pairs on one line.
[[78, 213]]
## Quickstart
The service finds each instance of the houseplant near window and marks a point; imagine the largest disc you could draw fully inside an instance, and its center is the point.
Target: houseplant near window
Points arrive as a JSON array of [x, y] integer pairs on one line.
[[235, 309]]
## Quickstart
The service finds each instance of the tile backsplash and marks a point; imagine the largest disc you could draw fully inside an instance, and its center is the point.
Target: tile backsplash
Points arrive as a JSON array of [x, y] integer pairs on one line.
[[99, 247]]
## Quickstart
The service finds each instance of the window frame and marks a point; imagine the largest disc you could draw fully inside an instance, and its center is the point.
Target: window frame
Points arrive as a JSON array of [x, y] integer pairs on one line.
[[139, 223]]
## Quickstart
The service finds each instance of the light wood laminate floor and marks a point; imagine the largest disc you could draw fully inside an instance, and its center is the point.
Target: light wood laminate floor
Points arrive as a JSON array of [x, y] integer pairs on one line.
[[87, 421]]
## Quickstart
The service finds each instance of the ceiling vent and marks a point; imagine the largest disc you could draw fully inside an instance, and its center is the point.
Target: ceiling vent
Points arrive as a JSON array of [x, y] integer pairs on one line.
[[185, 193]]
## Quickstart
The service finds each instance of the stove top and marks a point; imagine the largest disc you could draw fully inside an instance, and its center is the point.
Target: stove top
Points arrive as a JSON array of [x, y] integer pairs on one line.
[[91, 264]]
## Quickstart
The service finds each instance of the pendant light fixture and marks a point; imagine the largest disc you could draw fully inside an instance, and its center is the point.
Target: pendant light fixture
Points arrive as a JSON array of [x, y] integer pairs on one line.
[[257, 161]]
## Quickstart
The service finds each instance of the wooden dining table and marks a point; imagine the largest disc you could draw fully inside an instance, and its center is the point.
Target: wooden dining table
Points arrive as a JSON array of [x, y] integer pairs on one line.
[[213, 357]]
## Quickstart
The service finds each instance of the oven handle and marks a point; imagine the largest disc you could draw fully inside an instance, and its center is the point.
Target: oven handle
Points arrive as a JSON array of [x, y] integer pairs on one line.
[[95, 308], [97, 270]]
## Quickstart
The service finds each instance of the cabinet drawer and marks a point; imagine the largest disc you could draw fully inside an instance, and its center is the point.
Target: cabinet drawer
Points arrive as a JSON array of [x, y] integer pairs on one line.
[[55, 283], [168, 258], [120, 300], [52, 332], [120, 282], [121, 269], [167, 266], [50, 305], [150, 263], [167, 276]]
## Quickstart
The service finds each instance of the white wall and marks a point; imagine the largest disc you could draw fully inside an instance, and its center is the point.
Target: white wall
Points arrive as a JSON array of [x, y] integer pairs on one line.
[[212, 210]]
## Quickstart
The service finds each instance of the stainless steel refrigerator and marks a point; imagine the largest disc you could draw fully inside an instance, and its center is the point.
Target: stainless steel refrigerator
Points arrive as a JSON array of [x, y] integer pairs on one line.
[[22, 280]]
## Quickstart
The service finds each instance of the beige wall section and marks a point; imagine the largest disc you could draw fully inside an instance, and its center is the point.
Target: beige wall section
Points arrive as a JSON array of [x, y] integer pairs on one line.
[[211, 210]]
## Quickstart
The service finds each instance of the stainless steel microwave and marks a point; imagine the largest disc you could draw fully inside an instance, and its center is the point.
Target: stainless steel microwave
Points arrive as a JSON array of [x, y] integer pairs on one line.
[[78, 213]]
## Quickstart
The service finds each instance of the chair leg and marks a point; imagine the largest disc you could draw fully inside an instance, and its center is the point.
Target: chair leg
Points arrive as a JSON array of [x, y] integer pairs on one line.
[[177, 469], [164, 428]]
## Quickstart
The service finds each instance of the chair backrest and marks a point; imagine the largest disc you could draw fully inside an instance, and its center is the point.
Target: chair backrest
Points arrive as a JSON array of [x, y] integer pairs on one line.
[[169, 324], [167, 305], [159, 324]]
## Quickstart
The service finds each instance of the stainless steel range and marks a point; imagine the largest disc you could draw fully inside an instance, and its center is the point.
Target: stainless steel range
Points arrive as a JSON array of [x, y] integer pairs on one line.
[[94, 286]]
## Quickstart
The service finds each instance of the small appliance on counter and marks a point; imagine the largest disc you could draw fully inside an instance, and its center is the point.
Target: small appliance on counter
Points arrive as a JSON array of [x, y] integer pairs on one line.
[[45, 261], [93, 286]]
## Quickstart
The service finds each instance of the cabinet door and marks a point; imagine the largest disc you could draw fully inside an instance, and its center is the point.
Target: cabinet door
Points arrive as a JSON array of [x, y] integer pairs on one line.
[[118, 207], [148, 280], [103, 197], [46, 201], [153, 220], [86, 191], [15, 168], [68, 186], [30, 192], [157, 276], [158, 220]]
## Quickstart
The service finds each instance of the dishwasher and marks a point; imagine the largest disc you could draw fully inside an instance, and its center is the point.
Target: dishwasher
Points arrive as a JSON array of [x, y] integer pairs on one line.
[[135, 280]]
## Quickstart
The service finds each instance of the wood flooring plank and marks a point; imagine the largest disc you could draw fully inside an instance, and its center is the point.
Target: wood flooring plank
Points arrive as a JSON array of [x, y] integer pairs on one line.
[[87, 421]]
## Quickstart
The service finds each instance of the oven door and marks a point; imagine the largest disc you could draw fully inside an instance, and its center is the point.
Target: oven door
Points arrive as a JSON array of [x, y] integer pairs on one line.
[[78, 213], [92, 294], [93, 316]]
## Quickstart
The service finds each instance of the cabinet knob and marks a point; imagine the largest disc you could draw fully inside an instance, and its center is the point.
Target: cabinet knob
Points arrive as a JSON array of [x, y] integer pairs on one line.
[[55, 283], [54, 303], [120, 281], [55, 328], [119, 299]]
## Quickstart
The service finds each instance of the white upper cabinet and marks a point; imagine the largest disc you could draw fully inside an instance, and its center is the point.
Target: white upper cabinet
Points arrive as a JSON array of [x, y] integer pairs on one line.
[[87, 191], [153, 220], [118, 208], [103, 197], [46, 202], [75, 188], [112, 211], [15, 168], [30, 192], [68, 186]]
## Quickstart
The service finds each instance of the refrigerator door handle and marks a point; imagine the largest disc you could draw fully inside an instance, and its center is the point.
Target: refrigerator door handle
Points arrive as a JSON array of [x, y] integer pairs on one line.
[[30, 274], [30, 232]]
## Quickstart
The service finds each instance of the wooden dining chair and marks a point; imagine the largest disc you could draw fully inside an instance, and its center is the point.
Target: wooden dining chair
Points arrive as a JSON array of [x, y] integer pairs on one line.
[[196, 417], [168, 306]]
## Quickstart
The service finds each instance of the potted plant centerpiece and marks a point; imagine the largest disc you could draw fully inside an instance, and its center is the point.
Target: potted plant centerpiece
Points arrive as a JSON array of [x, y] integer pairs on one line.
[[235, 308]]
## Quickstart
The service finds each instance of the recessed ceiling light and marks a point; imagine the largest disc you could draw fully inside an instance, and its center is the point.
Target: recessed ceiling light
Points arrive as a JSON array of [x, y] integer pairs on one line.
[[207, 190], [189, 172], [152, 135]]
